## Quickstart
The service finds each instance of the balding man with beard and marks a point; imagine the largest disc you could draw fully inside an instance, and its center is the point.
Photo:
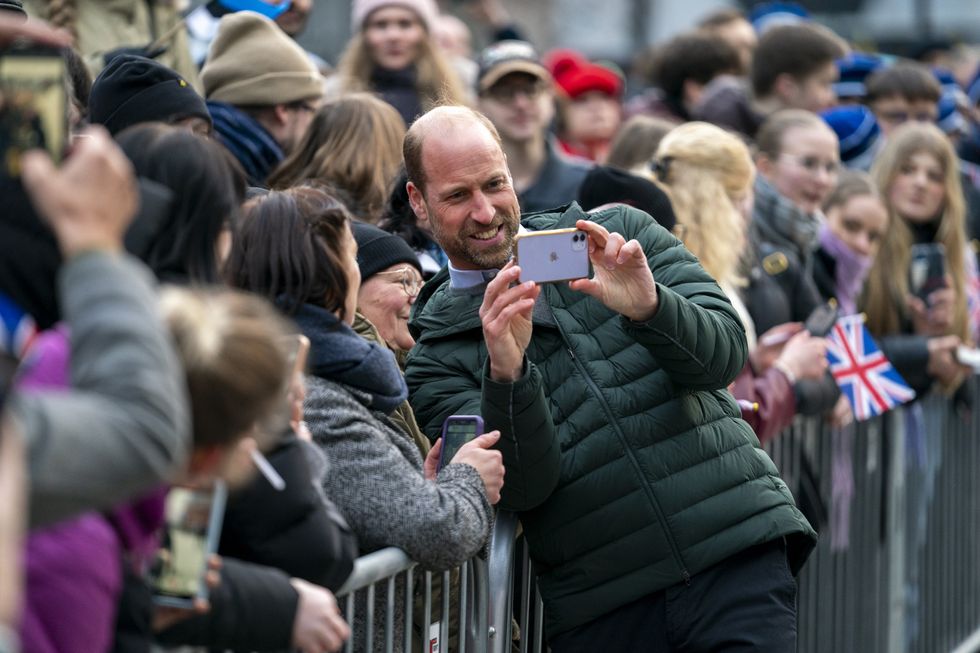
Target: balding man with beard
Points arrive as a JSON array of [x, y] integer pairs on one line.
[[655, 520]]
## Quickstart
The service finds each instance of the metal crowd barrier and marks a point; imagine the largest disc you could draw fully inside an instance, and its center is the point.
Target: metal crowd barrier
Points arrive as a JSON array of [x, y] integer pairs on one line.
[[896, 568]]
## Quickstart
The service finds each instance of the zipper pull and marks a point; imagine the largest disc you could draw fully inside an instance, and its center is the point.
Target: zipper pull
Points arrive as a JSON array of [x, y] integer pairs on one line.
[[687, 577], [571, 353]]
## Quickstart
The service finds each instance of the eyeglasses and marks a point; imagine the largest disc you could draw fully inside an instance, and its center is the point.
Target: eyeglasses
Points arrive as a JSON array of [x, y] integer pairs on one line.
[[814, 164], [898, 117], [508, 92], [410, 283]]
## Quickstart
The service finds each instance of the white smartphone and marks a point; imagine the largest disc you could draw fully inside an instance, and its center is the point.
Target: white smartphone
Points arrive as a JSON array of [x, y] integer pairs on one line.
[[553, 255]]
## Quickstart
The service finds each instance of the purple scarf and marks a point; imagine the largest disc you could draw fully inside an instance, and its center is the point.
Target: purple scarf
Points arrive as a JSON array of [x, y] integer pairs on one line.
[[850, 271]]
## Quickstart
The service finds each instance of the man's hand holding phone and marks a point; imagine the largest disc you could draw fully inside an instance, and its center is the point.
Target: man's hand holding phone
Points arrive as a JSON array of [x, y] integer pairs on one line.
[[623, 281], [506, 316]]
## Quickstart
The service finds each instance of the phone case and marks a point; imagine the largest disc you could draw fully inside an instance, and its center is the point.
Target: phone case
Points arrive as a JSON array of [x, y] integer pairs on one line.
[[822, 319], [927, 269], [553, 255], [449, 449], [212, 536]]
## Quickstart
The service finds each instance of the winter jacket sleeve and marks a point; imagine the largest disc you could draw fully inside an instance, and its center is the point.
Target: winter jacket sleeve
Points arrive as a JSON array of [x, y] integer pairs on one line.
[[377, 483], [773, 394], [252, 609], [910, 356], [696, 334], [124, 426], [519, 410], [297, 530], [816, 397], [528, 438]]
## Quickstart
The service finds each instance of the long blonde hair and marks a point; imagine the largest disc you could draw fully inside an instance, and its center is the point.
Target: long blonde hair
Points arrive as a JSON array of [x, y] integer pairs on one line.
[[703, 168], [355, 145], [888, 282], [437, 82]]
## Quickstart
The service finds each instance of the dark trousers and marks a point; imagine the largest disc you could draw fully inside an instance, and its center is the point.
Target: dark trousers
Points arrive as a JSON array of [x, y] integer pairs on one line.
[[744, 603]]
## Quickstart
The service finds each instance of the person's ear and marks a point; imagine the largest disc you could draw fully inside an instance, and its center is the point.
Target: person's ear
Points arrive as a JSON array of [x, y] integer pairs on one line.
[[786, 88], [764, 165], [417, 200]]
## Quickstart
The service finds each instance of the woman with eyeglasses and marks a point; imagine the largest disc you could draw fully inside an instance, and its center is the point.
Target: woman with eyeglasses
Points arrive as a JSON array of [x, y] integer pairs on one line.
[[797, 161], [708, 174]]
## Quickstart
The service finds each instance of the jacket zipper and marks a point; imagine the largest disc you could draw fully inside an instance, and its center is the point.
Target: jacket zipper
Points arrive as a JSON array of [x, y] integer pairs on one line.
[[675, 551]]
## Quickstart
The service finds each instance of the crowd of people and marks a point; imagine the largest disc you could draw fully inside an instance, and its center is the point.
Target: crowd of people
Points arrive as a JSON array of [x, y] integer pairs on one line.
[[256, 270]]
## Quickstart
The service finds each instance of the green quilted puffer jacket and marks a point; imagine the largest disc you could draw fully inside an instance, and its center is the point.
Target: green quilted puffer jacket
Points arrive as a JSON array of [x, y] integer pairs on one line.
[[624, 453]]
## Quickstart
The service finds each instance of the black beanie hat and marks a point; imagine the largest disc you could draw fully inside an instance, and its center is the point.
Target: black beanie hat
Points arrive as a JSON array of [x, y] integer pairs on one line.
[[378, 250], [134, 89], [606, 185], [15, 6]]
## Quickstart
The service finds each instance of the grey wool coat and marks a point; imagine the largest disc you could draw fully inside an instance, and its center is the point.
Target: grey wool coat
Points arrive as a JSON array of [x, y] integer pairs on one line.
[[376, 480]]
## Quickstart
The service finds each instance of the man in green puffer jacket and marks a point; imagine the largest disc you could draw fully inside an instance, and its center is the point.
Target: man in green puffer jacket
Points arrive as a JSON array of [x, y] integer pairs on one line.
[[655, 520]]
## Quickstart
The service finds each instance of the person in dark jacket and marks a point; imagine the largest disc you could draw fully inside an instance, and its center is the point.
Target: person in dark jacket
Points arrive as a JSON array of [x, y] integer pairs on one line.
[[798, 162], [515, 92], [634, 476]]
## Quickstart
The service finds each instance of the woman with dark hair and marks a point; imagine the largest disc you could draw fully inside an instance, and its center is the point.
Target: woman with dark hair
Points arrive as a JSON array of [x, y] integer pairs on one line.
[[196, 192], [296, 247], [399, 219]]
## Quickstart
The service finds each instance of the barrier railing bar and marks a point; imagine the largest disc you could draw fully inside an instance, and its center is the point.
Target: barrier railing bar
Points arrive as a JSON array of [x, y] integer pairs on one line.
[[390, 617], [349, 616], [371, 568], [538, 643], [444, 619], [369, 619], [500, 569], [427, 611], [465, 625], [525, 595], [409, 603]]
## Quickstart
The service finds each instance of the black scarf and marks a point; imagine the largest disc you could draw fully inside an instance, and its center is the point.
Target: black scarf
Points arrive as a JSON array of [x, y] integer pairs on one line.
[[338, 354]]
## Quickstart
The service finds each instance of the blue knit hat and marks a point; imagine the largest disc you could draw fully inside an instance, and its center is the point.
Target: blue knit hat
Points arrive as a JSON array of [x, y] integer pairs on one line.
[[973, 89], [858, 133], [772, 14], [853, 70], [949, 118]]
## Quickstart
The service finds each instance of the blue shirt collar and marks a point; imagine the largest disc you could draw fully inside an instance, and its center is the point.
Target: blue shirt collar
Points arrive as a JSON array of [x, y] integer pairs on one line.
[[463, 279]]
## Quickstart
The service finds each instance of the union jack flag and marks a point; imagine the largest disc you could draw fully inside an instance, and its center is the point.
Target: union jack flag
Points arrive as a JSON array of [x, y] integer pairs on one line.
[[863, 373]]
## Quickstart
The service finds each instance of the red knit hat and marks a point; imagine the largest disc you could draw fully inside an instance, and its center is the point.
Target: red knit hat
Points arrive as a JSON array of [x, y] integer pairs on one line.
[[575, 75]]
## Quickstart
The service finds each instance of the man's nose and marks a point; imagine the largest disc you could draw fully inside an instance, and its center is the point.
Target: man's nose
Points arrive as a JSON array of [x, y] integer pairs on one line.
[[482, 210]]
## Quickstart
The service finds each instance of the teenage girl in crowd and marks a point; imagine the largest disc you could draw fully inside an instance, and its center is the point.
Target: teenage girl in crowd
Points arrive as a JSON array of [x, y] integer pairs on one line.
[[394, 55], [918, 174]]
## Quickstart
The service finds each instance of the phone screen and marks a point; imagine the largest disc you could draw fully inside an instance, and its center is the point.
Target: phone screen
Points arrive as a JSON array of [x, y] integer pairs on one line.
[[457, 431], [193, 526], [33, 105]]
